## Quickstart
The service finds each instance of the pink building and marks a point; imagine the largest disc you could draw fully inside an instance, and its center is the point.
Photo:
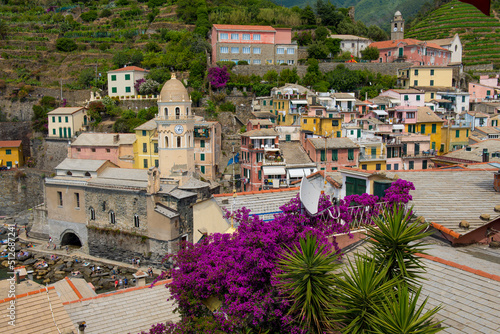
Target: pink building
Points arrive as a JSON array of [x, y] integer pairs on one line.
[[408, 97], [412, 51], [332, 153], [480, 92], [261, 159], [258, 45], [257, 124], [115, 147], [409, 151]]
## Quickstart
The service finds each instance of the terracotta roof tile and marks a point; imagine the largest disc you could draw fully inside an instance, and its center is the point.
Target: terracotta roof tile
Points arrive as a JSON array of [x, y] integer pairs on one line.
[[406, 41], [242, 27], [10, 143], [129, 68]]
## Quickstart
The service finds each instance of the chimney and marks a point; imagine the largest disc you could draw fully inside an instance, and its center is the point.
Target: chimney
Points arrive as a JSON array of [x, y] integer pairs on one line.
[[115, 138], [486, 155], [496, 181]]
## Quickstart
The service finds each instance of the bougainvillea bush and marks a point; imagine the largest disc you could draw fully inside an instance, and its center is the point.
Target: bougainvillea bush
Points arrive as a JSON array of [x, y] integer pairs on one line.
[[237, 272], [218, 76]]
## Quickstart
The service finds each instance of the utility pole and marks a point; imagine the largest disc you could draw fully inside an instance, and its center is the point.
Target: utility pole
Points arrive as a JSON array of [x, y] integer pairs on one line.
[[61, 91]]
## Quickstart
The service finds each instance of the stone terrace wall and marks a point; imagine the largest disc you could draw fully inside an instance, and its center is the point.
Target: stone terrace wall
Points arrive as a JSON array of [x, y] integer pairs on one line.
[[382, 68], [17, 131], [19, 193], [49, 153]]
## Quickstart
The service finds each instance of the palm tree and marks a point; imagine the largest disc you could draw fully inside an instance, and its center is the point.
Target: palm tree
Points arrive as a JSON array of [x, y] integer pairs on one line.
[[394, 243], [358, 291], [307, 279], [400, 314]]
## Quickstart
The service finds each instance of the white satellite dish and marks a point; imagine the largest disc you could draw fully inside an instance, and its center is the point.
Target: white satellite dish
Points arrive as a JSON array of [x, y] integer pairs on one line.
[[309, 196]]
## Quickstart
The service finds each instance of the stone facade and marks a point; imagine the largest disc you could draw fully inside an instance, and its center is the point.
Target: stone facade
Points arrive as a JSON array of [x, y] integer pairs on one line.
[[382, 68], [21, 189], [59, 228]]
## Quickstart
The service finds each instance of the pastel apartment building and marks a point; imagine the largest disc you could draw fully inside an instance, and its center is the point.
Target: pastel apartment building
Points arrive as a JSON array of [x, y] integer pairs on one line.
[[258, 45], [430, 79], [412, 51], [64, 122], [11, 153], [408, 97], [352, 44], [331, 153], [115, 147], [408, 151], [121, 81]]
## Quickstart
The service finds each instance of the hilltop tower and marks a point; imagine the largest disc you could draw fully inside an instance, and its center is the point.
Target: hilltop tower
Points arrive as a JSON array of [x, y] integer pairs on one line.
[[175, 123], [397, 26]]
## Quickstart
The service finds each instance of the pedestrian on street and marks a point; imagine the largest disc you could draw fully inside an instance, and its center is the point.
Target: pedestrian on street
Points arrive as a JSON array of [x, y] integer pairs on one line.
[[116, 284]]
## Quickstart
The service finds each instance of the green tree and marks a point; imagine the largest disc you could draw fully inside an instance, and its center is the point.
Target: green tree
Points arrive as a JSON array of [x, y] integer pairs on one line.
[[288, 76], [402, 313], [303, 38], [308, 280], [271, 76], [89, 16], [321, 33], [86, 77], [333, 45], [202, 22], [313, 74], [307, 16], [105, 13], [395, 242], [152, 47], [147, 113], [370, 53], [65, 44], [376, 34], [318, 50], [186, 10]]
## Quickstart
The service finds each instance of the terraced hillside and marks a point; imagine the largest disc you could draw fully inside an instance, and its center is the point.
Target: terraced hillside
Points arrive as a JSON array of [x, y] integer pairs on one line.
[[100, 29], [480, 34]]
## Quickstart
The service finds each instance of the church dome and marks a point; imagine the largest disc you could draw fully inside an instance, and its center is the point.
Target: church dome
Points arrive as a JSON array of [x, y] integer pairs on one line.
[[398, 13], [174, 91]]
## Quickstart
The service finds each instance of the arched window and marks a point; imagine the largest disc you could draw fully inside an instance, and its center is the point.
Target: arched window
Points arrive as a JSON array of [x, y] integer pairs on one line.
[[136, 220], [166, 111], [177, 113], [87, 174], [187, 111], [104, 206], [112, 218], [189, 141], [178, 141], [166, 141], [69, 173], [92, 213]]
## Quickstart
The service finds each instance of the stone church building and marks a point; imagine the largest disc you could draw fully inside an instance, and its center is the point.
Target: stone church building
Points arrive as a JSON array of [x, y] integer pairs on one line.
[[120, 213]]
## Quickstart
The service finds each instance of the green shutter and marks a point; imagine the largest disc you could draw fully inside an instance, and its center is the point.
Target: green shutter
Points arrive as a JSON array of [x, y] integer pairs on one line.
[[260, 175], [202, 157], [127, 76], [433, 128], [113, 77], [422, 129], [335, 155], [355, 186], [127, 90], [202, 143], [288, 137], [202, 169], [113, 90], [350, 154], [339, 134], [323, 155], [457, 133]]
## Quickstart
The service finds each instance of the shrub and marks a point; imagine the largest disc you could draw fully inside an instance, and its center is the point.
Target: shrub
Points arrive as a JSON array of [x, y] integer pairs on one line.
[[66, 45], [227, 106], [242, 62], [105, 13], [89, 16]]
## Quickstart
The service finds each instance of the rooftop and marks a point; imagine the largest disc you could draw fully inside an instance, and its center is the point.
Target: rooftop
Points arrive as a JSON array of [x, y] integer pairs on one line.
[[294, 153], [332, 143], [476, 151], [149, 125], [129, 68], [104, 139], [85, 165], [263, 114], [407, 91], [349, 37], [261, 133], [342, 96], [39, 311], [121, 177], [65, 110], [448, 196], [262, 203], [261, 122], [243, 27], [406, 41], [477, 114], [10, 143], [426, 115], [125, 311]]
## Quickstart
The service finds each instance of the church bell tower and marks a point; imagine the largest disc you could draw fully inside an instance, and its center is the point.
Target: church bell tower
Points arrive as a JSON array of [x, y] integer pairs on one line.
[[397, 27]]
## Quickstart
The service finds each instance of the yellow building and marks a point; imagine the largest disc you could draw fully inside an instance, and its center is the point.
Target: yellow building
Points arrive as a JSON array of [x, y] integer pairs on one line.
[[322, 126], [422, 77], [146, 146], [454, 137], [11, 153], [428, 123], [372, 156], [64, 122]]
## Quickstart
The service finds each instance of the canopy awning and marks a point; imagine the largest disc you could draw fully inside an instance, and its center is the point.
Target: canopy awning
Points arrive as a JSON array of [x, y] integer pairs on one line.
[[294, 173], [398, 126], [381, 112], [309, 171], [299, 101], [274, 170]]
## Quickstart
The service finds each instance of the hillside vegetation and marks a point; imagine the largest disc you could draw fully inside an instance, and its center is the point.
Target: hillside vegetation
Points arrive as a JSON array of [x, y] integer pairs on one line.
[[480, 34], [370, 12]]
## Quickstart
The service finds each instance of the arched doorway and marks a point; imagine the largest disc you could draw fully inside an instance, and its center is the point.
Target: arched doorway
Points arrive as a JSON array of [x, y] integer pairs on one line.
[[70, 239]]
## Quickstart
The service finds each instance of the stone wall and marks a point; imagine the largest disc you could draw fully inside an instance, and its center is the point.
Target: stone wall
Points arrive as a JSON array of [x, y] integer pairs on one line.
[[24, 110], [57, 230], [482, 67], [123, 247], [17, 131], [137, 105], [382, 68], [48, 153], [21, 189]]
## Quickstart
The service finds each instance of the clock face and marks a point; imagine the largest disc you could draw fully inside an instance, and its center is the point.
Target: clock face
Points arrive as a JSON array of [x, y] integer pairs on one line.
[[179, 129], [395, 29]]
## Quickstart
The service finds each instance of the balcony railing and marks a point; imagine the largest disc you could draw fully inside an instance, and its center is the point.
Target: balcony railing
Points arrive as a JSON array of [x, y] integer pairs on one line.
[[367, 157]]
